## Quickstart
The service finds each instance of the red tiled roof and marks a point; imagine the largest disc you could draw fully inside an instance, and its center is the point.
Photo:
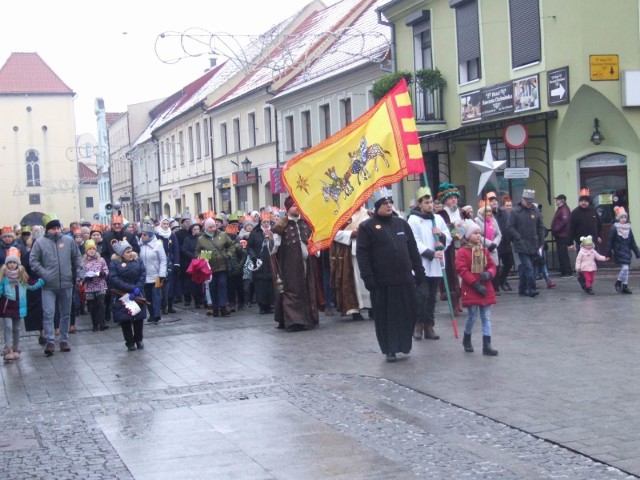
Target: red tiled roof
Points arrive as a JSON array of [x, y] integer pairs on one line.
[[27, 73], [86, 175], [112, 117]]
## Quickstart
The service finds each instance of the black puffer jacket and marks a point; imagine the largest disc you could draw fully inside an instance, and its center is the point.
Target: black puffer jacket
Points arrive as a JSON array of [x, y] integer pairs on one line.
[[526, 229]]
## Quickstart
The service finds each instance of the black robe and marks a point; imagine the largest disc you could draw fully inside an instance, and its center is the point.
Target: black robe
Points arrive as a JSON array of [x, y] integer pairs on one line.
[[387, 253]]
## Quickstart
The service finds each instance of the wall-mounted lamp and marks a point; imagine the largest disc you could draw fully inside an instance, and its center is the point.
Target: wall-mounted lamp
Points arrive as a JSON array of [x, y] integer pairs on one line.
[[246, 165], [596, 137]]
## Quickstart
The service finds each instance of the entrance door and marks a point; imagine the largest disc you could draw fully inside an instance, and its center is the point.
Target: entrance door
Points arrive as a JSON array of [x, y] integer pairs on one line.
[[605, 175]]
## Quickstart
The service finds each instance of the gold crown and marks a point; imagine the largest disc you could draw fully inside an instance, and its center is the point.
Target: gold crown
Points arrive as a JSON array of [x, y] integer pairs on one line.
[[584, 192]]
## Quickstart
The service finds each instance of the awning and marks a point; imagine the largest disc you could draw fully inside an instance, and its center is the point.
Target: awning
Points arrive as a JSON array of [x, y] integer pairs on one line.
[[477, 128]]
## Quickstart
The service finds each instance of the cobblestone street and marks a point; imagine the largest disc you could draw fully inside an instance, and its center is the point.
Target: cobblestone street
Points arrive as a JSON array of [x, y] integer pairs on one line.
[[236, 398]]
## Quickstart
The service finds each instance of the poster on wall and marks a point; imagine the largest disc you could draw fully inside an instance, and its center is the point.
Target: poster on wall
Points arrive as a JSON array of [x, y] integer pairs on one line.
[[470, 107], [525, 94], [497, 100]]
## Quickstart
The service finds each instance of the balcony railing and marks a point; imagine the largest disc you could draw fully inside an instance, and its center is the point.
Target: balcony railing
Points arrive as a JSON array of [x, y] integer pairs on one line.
[[427, 105]]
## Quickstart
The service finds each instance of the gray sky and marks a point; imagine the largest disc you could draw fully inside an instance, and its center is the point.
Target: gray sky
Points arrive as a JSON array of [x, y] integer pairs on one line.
[[85, 43]]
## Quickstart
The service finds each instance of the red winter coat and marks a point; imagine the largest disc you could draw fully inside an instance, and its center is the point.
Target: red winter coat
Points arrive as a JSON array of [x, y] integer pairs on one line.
[[470, 296]]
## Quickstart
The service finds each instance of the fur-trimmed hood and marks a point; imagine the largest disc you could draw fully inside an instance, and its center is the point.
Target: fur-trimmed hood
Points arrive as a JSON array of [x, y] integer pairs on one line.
[[117, 258]]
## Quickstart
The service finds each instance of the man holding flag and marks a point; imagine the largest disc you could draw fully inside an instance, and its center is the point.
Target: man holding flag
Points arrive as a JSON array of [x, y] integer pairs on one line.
[[387, 254]]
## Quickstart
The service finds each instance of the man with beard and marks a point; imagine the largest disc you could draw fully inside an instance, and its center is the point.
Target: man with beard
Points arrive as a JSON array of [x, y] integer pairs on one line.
[[296, 306], [432, 237], [584, 220], [387, 253], [448, 195]]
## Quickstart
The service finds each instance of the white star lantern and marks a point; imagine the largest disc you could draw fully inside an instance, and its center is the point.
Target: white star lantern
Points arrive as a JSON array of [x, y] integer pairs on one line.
[[487, 167]]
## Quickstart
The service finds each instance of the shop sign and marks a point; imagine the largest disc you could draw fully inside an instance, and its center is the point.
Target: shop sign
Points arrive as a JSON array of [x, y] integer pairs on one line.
[[224, 182], [603, 160], [241, 178], [558, 86], [497, 100], [604, 67]]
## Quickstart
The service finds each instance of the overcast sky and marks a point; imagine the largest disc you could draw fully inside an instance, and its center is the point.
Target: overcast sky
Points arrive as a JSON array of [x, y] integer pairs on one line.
[[107, 49]]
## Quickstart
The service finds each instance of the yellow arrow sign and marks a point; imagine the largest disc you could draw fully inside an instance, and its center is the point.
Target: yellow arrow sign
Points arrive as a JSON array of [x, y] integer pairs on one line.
[[604, 67]]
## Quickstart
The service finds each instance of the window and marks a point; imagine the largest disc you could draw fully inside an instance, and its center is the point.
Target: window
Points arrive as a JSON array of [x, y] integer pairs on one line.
[[290, 144], [524, 16], [468, 37], [163, 154], [88, 202], [87, 150], [223, 139], [173, 151], [181, 149], [197, 200], [325, 121], [205, 131], [34, 199], [33, 169], [251, 129], [305, 120], [198, 142], [420, 23], [236, 134], [267, 125], [345, 112], [192, 153]]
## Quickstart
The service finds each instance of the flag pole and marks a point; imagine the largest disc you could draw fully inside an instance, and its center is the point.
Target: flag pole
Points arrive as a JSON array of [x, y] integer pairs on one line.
[[440, 247]]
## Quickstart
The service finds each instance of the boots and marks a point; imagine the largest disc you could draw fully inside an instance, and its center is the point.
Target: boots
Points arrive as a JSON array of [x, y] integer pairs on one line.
[[618, 286], [418, 331], [430, 334], [550, 284], [466, 343], [224, 312], [625, 289], [486, 346]]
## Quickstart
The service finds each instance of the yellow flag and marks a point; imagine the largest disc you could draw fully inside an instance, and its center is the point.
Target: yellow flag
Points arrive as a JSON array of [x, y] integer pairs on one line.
[[330, 181]]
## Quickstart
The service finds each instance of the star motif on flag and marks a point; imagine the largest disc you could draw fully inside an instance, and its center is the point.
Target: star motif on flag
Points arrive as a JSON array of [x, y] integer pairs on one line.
[[487, 167], [302, 184]]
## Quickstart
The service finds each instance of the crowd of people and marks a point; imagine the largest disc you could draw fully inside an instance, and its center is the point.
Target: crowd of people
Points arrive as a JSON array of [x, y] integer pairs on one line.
[[382, 263]]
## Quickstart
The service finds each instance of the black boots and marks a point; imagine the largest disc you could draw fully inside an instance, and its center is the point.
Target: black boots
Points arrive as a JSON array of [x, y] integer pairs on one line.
[[618, 286], [486, 346], [224, 312], [466, 343], [625, 289]]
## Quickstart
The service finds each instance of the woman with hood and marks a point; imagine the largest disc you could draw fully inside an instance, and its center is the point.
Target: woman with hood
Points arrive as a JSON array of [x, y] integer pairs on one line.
[[172, 252], [258, 248], [155, 262]]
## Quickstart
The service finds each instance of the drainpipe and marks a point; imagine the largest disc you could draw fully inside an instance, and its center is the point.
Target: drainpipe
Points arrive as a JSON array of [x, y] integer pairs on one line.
[[213, 168], [392, 27], [158, 146]]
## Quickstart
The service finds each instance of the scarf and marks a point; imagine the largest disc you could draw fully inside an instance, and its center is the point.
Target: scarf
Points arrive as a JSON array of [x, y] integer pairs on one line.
[[164, 233], [623, 229], [12, 276], [478, 261]]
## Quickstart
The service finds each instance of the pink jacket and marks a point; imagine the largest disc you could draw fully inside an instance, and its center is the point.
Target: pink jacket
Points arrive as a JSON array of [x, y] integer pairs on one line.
[[586, 260]]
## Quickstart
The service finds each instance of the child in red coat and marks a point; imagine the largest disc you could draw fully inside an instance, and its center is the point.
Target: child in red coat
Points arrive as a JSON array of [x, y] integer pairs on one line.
[[476, 268]]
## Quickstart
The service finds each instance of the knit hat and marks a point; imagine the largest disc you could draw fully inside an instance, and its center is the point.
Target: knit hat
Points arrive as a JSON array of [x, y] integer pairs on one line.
[[446, 190], [470, 227], [288, 203], [620, 212], [13, 255], [173, 225], [121, 246], [586, 241], [89, 244], [423, 192], [209, 222], [50, 221]]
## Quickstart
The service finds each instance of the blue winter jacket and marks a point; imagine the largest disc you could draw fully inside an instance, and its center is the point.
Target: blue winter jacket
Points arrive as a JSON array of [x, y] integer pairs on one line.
[[9, 291]]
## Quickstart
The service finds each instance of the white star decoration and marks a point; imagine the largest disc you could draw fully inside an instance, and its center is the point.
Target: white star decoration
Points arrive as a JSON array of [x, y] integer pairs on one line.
[[487, 166]]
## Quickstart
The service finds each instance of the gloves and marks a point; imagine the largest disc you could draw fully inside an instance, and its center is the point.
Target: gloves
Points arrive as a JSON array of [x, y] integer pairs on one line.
[[492, 247], [369, 284], [428, 254], [481, 289], [134, 294], [485, 276]]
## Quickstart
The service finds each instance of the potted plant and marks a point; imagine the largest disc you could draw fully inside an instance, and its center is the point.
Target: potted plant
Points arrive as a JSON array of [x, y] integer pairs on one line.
[[430, 79], [384, 84]]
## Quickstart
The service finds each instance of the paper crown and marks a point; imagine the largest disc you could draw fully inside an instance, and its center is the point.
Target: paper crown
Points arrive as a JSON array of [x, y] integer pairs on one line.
[[25, 229], [48, 218], [423, 192], [96, 228], [76, 231], [619, 212], [7, 229], [380, 194], [264, 215], [584, 192], [117, 218], [89, 244], [528, 194], [14, 252]]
